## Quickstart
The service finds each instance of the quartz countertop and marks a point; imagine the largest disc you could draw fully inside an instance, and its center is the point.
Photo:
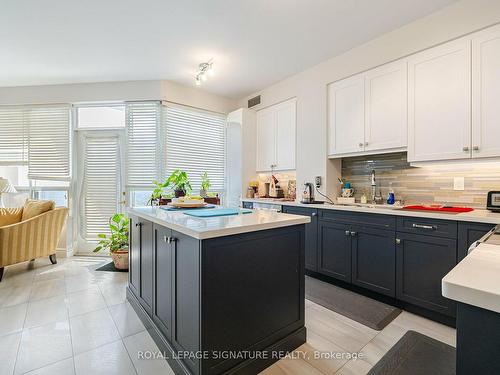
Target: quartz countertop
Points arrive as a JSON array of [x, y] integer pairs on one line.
[[476, 216], [218, 226], [476, 279]]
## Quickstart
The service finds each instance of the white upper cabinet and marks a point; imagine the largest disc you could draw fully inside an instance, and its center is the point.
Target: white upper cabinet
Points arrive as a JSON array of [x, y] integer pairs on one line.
[[486, 93], [386, 113], [276, 137], [346, 112], [439, 103], [285, 135]]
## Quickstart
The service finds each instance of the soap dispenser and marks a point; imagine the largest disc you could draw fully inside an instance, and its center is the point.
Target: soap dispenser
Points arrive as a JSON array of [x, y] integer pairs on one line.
[[390, 197]]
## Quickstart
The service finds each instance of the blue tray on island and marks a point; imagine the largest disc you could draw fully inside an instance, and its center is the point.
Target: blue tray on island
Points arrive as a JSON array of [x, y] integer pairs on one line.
[[217, 212]]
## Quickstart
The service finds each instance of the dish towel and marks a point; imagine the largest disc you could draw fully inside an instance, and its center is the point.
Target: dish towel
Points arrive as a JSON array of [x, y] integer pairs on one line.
[[217, 212]]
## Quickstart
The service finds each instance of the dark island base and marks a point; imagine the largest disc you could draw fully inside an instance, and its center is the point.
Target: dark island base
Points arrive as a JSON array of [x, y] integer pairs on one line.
[[478, 341], [248, 367]]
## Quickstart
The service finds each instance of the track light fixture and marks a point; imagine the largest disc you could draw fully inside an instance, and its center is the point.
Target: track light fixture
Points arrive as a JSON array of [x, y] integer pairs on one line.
[[204, 70]]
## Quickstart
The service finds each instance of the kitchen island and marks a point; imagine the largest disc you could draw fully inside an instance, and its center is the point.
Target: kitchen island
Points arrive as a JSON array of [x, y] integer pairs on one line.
[[219, 294]]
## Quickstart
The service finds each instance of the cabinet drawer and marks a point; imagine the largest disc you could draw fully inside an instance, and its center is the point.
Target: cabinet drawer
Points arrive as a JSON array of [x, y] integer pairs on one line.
[[300, 210], [430, 227], [362, 219]]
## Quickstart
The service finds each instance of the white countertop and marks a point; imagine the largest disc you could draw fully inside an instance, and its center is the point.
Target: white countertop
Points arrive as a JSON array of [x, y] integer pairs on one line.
[[476, 216], [476, 279], [218, 226]]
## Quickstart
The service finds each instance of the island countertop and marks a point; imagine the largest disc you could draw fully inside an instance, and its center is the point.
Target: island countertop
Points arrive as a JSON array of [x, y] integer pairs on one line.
[[218, 226]]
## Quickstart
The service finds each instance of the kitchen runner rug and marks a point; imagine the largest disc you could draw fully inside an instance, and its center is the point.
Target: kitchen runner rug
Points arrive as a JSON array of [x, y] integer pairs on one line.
[[417, 354], [364, 310]]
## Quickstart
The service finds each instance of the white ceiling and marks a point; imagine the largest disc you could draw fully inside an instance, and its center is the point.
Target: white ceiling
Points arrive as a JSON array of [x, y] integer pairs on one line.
[[254, 43]]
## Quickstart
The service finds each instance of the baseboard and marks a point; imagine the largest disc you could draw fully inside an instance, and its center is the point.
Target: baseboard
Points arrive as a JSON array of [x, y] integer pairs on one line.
[[64, 253]]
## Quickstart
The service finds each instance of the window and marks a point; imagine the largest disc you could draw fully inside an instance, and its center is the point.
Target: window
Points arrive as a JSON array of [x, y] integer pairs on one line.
[[143, 147], [100, 116], [194, 141], [13, 135]]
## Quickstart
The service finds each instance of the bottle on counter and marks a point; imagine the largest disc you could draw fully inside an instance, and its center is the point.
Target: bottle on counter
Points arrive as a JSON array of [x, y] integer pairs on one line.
[[391, 197]]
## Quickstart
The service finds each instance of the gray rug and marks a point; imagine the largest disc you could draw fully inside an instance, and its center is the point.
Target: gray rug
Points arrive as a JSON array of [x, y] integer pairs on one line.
[[367, 311], [417, 354]]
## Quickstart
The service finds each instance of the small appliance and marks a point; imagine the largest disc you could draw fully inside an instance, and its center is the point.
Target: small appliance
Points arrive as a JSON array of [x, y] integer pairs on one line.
[[493, 201]]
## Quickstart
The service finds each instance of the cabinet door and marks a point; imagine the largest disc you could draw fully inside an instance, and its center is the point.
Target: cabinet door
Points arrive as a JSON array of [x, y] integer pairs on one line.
[[164, 277], [186, 332], [386, 107], [285, 135], [374, 259], [334, 250], [485, 93], [421, 263], [468, 233], [146, 256], [266, 137], [439, 118], [346, 115], [311, 235], [134, 269]]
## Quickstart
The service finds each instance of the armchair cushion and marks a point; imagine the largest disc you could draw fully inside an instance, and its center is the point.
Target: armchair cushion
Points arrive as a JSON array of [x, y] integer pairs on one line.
[[10, 216], [34, 208]]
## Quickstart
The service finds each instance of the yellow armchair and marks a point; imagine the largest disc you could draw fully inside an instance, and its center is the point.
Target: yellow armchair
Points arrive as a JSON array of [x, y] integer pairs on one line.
[[29, 239]]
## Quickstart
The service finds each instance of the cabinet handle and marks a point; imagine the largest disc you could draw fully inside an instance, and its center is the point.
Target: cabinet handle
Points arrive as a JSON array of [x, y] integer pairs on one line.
[[138, 224], [366, 143], [427, 227], [353, 234], [465, 149], [347, 233], [171, 239], [476, 148], [398, 241], [314, 214], [166, 239], [361, 144]]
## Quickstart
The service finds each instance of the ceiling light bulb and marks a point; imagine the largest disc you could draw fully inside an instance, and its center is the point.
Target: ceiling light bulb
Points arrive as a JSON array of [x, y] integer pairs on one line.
[[203, 77]]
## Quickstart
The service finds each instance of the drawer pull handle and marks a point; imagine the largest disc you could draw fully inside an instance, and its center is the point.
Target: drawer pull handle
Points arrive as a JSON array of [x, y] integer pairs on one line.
[[426, 227], [353, 234], [138, 224], [347, 233], [398, 241], [171, 239], [166, 239], [314, 214]]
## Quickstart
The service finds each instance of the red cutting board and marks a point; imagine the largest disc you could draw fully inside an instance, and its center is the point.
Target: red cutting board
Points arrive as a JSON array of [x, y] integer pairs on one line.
[[439, 209]]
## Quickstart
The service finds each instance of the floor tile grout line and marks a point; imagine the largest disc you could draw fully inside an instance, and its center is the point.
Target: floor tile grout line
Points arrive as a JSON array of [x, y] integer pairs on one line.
[[21, 339], [71, 338], [123, 342]]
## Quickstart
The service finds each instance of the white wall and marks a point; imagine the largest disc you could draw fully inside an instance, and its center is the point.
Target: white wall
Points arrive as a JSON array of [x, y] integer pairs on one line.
[[117, 91], [310, 86]]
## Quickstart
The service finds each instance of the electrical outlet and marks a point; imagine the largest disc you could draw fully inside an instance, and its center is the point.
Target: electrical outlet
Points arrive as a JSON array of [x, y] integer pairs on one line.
[[317, 181], [459, 183]]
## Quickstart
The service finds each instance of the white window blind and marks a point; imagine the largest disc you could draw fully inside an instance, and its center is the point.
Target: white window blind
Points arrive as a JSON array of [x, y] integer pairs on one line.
[[101, 184], [48, 142], [194, 141], [143, 145], [13, 135]]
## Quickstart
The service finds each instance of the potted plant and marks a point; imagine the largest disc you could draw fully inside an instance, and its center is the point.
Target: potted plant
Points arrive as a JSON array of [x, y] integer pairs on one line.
[[205, 184], [117, 242], [180, 181], [157, 193]]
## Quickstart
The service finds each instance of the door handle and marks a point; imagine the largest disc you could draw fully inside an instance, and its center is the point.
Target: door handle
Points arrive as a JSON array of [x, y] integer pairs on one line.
[[426, 227]]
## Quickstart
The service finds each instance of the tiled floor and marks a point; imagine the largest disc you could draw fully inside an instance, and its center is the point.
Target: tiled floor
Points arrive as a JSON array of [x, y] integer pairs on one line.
[[68, 319]]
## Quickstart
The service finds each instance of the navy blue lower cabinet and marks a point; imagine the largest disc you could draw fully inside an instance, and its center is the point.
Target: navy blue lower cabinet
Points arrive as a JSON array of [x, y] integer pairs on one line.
[[164, 270], [374, 259], [311, 246], [421, 263], [134, 254], [334, 243], [468, 233]]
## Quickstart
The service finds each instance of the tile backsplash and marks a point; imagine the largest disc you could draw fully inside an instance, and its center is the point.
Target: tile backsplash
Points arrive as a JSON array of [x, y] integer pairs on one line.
[[426, 185]]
